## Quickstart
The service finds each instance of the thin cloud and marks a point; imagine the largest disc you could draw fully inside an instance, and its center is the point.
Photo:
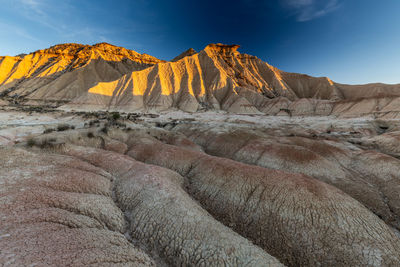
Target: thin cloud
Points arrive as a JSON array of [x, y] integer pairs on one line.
[[306, 10], [37, 11], [45, 13], [51, 14], [7, 29], [34, 5]]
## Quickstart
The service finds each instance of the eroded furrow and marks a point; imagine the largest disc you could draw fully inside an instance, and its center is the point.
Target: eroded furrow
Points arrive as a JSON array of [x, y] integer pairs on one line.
[[165, 218], [55, 214], [296, 218], [99, 196], [367, 176]]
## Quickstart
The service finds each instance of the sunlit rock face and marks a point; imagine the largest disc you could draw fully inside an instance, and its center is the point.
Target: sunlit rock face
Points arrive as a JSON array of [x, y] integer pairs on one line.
[[106, 77], [64, 72]]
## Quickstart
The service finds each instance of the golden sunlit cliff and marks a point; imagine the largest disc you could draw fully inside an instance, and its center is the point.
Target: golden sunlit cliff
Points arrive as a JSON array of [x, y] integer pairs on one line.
[[63, 72], [219, 77], [104, 76]]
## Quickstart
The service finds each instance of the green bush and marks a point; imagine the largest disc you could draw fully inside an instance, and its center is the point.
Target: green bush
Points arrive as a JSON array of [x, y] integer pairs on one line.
[[116, 115]]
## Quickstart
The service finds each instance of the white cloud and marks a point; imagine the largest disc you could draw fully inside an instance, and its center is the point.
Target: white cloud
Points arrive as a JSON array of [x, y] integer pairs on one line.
[[306, 10]]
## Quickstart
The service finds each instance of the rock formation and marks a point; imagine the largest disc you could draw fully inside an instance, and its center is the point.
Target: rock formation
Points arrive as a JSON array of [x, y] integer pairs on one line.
[[149, 196], [64, 72], [199, 185], [105, 77]]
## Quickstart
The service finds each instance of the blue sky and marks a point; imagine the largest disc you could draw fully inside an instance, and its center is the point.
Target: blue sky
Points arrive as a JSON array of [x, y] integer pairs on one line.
[[350, 41]]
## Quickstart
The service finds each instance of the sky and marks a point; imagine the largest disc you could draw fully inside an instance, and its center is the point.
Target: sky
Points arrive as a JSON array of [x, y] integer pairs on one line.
[[350, 41]]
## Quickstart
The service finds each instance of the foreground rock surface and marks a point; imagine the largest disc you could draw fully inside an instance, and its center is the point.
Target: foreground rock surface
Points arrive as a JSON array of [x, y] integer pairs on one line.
[[204, 191]]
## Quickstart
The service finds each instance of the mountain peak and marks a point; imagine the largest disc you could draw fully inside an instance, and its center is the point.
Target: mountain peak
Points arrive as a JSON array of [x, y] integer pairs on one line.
[[222, 48], [189, 52], [104, 44], [103, 50]]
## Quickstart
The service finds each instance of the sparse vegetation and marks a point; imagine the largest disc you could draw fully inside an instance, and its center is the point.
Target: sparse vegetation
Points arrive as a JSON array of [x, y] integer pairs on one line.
[[93, 122], [48, 142], [63, 127], [48, 130], [104, 129], [31, 142], [116, 116]]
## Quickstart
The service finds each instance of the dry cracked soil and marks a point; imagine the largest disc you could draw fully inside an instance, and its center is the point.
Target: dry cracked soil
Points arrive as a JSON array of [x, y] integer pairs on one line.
[[201, 189]]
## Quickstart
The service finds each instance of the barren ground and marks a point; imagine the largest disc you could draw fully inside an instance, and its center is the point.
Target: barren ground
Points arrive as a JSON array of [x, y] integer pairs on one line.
[[207, 188]]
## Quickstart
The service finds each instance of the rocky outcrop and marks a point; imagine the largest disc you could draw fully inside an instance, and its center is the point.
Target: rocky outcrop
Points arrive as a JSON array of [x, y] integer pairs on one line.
[[219, 77], [64, 72], [106, 77]]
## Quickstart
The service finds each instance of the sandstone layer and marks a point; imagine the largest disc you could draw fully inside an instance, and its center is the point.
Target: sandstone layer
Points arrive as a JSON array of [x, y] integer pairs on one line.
[[105, 77], [64, 72]]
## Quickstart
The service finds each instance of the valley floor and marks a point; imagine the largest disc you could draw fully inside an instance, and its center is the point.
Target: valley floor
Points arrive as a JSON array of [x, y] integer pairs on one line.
[[207, 188]]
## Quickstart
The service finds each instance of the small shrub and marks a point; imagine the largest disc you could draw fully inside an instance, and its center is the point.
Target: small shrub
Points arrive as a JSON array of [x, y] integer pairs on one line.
[[104, 129], [122, 125], [63, 127], [46, 143], [116, 116], [93, 122], [48, 130], [31, 142], [90, 135]]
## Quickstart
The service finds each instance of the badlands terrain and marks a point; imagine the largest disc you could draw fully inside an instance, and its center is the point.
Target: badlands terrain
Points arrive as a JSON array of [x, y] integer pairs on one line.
[[114, 158]]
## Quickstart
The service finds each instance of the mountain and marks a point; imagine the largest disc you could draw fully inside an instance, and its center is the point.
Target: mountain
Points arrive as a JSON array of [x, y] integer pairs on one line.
[[103, 76], [64, 72]]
